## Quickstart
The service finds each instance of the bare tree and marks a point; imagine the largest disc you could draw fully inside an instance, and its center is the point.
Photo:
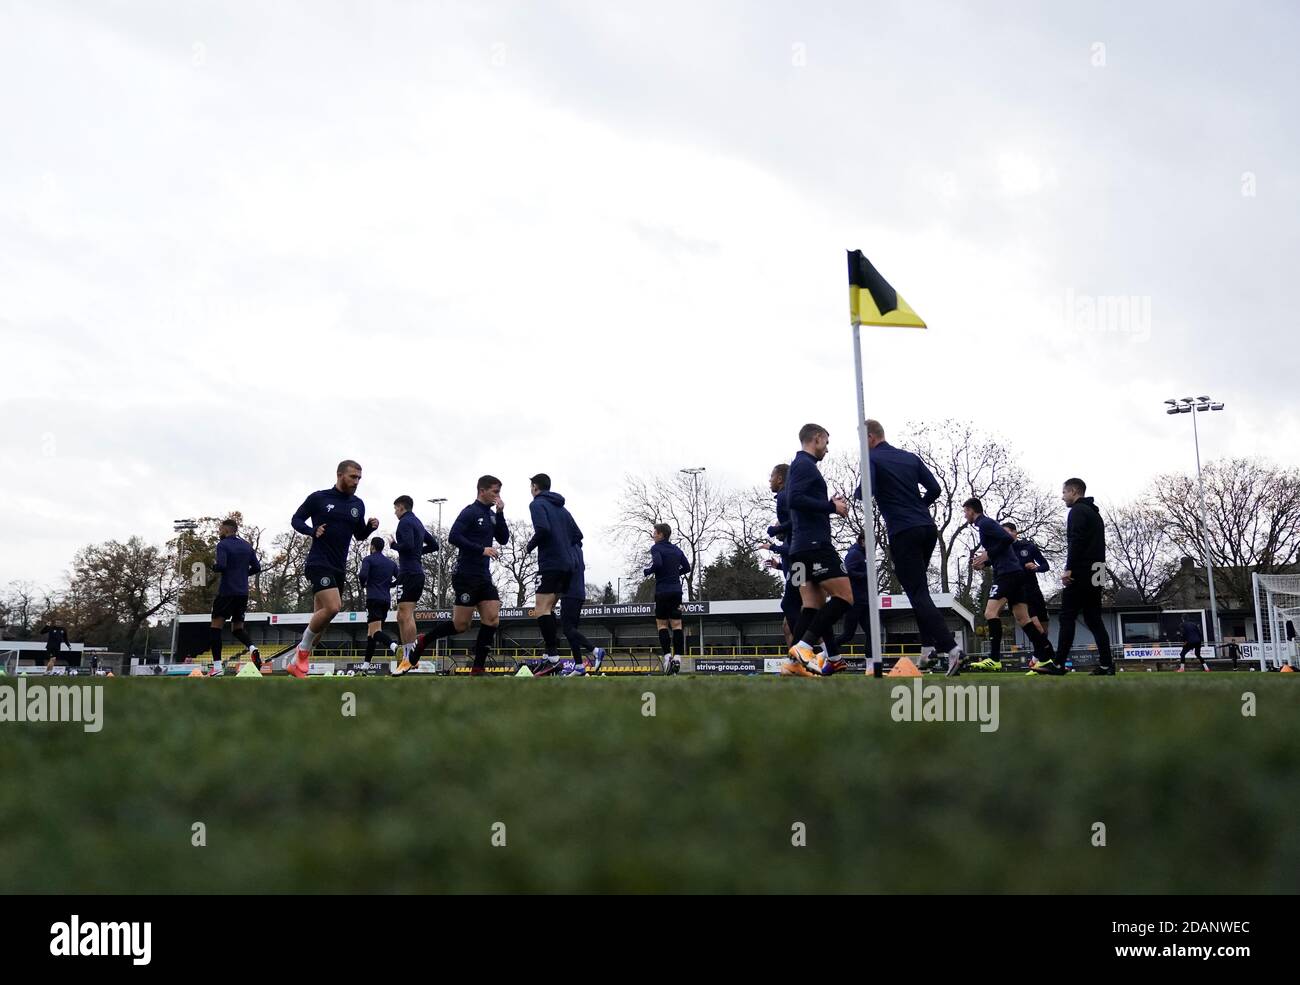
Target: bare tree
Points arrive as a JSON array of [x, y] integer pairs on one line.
[[439, 565], [694, 506], [25, 601], [283, 587], [843, 474], [351, 596], [1139, 553], [515, 566], [1253, 510], [967, 462], [747, 513]]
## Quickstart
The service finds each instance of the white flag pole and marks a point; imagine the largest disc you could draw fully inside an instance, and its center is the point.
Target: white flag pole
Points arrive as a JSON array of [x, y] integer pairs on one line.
[[868, 528]]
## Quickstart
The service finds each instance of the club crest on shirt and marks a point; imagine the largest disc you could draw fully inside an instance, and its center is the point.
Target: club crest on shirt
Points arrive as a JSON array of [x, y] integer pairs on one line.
[[354, 511]]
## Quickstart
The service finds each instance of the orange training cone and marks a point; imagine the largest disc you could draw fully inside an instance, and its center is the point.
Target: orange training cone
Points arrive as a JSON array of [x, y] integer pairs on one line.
[[904, 668]]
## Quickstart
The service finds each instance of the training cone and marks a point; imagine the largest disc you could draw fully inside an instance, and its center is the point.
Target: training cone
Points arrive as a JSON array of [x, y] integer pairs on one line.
[[109, 674], [249, 670], [196, 672], [523, 672], [1288, 669], [904, 668]]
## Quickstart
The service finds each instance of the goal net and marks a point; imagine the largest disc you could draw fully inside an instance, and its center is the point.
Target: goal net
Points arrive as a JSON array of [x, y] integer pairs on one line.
[[1277, 618]]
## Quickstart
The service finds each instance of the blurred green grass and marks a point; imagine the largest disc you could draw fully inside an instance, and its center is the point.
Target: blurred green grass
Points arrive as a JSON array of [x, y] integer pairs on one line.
[[699, 798]]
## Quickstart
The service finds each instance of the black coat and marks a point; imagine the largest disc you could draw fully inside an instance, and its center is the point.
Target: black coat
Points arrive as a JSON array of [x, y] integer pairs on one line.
[[1085, 538]]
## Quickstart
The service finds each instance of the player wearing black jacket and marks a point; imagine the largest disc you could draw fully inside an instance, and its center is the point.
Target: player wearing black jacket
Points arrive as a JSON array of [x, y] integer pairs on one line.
[[1083, 578]]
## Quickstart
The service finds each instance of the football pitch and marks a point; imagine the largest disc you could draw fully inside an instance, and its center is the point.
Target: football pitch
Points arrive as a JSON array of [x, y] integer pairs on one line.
[[466, 785]]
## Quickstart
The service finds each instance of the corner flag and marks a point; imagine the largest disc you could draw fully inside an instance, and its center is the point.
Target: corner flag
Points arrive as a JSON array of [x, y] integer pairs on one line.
[[872, 301]]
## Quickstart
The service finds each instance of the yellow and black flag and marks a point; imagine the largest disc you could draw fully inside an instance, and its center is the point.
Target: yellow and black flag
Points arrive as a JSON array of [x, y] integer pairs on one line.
[[872, 301]]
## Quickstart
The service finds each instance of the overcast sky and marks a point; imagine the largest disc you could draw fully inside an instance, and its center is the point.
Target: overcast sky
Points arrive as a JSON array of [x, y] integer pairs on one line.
[[239, 242]]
